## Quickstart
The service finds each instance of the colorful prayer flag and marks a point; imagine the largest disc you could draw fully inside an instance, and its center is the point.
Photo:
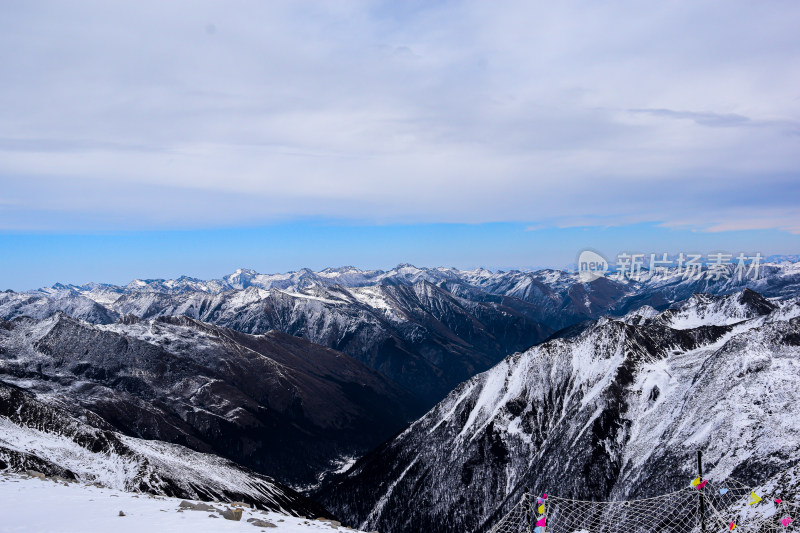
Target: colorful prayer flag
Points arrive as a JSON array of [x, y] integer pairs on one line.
[[722, 492], [731, 526], [541, 509], [778, 500], [542, 521], [754, 498], [702, 485], [696, 481], [786, 521]]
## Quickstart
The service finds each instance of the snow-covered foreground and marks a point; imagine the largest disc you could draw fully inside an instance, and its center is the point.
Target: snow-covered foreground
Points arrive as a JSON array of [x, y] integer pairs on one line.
[[44, 506]]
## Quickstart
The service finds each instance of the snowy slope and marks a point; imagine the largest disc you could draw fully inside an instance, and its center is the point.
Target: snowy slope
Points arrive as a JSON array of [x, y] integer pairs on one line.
[[616, 412], [39, 305], [704, 309], [44, 438], [32, 505], [275, 403]]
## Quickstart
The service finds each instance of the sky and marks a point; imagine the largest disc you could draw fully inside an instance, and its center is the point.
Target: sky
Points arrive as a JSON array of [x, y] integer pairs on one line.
[[154, 139]]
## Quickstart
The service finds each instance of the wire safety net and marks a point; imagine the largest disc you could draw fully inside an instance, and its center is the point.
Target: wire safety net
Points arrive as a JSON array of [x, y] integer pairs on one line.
[[711, 507]]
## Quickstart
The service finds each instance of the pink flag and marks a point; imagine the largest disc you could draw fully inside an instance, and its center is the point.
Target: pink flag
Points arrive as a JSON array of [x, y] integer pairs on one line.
[[702, 485], [542, 521], [544, 496], [786, 521], [778, 500]]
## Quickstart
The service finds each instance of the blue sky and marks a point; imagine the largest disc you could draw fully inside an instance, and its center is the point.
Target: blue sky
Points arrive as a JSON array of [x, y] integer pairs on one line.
[[153, 139], [119, 257]]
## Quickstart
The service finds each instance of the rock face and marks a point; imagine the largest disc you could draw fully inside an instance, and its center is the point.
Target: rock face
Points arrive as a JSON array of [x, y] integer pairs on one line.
[[615, 411], [275, 403], [35, 434]]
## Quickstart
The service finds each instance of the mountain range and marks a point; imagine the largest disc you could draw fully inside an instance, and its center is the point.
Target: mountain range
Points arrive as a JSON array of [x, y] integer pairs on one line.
[[510, 381]]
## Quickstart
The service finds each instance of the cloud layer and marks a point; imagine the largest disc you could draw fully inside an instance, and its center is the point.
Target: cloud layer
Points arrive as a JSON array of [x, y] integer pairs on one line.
[[196, 114]]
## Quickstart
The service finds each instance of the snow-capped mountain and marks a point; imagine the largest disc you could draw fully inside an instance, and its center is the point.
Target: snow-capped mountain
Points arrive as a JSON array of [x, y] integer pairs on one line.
[[42, 304], [40, 437], [419, 335], [614, 411], [426, 329], [560, 298], [275, 403], [703, 309]]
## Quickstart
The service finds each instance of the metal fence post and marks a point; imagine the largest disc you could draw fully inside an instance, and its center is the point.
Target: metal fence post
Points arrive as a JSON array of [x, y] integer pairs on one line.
[[702, 497]]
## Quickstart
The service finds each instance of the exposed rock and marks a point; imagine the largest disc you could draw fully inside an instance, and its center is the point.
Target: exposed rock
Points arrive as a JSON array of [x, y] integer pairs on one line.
[[262, 523], [196, 506], [232, 514]]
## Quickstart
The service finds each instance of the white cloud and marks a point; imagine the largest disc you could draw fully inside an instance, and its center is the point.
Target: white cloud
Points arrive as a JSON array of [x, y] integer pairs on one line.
[[140, 116]]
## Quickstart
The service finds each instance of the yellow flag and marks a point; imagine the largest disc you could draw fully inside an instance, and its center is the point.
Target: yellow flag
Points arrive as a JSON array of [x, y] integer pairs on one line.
[[696, 481], [541, 509], [754, 498]]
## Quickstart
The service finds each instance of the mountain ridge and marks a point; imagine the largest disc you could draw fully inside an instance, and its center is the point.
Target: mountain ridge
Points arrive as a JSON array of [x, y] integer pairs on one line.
[[614, 413], [43, 437]]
